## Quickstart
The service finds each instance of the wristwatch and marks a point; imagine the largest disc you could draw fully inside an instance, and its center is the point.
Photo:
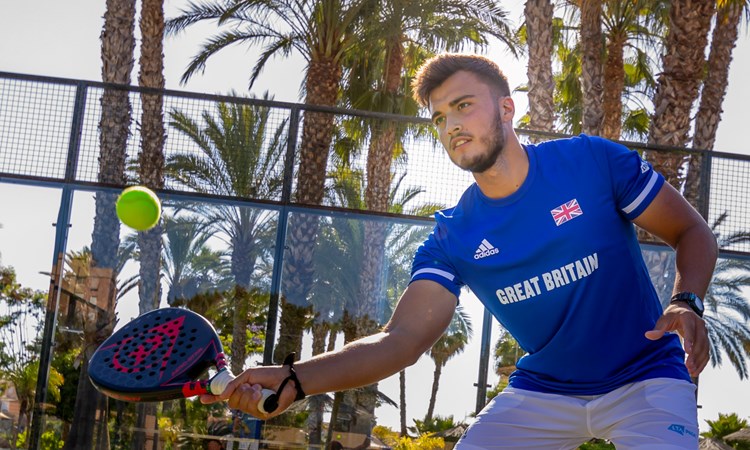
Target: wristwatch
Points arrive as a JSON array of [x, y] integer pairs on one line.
[[694, 302]]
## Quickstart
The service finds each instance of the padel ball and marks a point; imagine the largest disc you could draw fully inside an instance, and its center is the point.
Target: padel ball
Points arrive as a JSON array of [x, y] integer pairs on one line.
[[138, 207]]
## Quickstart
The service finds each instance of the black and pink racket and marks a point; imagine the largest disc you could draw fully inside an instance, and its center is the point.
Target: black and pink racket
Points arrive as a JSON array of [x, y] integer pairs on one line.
[[160, 355]]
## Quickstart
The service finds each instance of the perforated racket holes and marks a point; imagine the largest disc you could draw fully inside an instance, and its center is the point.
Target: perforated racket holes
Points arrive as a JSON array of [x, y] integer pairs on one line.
[[145, 349]]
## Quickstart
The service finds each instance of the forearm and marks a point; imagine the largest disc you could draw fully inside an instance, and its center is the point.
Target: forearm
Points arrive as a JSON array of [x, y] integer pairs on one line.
[[358, 363], [420, 318], [696, 254]]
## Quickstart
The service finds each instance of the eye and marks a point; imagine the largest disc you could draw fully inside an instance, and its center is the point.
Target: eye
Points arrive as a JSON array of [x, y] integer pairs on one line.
[[462, 105], [438, 120]]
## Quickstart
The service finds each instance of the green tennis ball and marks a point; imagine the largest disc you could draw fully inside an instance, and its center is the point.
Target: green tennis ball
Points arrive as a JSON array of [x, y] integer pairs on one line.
[[138, 207]]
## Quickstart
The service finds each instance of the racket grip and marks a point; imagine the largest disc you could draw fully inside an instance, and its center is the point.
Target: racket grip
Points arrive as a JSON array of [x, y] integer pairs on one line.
[[269, 401], [219, 382]]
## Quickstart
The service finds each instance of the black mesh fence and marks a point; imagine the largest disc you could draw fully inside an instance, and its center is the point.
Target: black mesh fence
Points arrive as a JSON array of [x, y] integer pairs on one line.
[[274, 152]]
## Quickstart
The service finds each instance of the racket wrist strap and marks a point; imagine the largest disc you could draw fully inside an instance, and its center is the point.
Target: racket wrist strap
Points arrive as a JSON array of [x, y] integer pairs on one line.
[[289, 361]]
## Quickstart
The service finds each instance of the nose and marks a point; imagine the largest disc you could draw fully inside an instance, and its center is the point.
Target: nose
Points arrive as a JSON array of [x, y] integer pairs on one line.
[[454, 127]]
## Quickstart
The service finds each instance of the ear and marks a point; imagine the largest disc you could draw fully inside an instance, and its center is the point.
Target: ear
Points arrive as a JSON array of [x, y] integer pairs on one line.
[[507, 108]]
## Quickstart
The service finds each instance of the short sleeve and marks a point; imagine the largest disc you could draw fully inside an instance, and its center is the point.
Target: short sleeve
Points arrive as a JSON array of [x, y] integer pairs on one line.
[[635, 183], [431, 263]]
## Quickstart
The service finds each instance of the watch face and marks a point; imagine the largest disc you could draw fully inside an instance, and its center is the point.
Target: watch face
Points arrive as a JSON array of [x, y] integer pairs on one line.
[[698, 302]]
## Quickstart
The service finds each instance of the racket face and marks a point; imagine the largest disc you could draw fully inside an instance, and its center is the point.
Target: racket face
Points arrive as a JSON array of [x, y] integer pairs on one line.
[[156, 356]]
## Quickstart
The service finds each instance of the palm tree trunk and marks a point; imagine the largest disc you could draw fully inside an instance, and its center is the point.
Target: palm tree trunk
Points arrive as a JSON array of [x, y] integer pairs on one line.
[[592, 78], [538, 14], [316, 409], [683, 63], [118, 44], [402, 401], [151, 172], [614, 83], [90, 416], [241, 311], [723, 41], [433, 395], [322, 87], [338, 397]]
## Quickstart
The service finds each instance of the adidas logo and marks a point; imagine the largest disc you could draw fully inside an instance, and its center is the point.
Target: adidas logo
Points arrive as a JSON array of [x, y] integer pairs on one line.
[[485, 249]]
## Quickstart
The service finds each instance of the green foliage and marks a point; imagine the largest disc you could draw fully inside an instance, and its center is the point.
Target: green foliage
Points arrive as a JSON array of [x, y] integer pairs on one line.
[[422, 442], [724, 425], [386, 435], [64, 363], [497, 389], [433, 425], [596, 444], [50, 440]]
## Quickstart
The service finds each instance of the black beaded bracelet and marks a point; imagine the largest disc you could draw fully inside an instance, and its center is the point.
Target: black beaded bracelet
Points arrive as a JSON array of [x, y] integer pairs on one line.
[[289, 361]]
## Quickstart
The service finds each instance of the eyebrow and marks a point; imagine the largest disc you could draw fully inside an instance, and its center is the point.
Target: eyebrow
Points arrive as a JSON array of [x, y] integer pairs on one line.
[[453, 103]]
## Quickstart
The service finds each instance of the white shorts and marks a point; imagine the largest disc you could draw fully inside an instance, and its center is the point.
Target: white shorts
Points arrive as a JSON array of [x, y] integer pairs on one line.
[[656, 414]]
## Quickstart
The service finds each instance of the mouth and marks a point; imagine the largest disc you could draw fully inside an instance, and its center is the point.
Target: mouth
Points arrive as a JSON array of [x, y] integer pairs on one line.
[[458, 142]]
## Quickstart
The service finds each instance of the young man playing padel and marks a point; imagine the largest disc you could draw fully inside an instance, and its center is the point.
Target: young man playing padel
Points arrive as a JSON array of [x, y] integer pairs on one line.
[[545, 239]]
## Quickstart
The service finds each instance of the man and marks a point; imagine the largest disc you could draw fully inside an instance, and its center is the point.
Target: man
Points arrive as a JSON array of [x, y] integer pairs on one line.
[[545, 240]]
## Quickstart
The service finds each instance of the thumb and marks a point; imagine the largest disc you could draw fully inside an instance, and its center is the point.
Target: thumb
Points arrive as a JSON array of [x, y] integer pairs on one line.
[[662, 327]]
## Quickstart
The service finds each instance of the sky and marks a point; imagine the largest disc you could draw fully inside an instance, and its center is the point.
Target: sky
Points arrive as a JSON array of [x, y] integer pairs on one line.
[[61, 39]]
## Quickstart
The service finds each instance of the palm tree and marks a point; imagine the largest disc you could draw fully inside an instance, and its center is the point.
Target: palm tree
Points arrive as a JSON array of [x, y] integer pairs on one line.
[[118, 44], [538, 15], [321, 31], [21, 323], [450, 344], [726, 304], [237, 155], [507, 353], [625, 24], [723, 41], [340, 243], [592, 75], [631, 31], [683, 65], [151, 173], [727, 310], [151, 157], [189, 266], [379, 79]]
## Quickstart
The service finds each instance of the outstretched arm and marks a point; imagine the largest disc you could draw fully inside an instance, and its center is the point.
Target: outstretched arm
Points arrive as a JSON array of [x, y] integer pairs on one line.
[[671, 218], [421, 316]]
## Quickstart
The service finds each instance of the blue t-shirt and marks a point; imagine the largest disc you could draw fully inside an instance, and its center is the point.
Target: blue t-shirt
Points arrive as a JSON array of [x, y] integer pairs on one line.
[[559, 266]]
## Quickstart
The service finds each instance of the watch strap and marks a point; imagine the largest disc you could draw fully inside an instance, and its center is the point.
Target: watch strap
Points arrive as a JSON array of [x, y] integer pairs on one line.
[[692, 299]]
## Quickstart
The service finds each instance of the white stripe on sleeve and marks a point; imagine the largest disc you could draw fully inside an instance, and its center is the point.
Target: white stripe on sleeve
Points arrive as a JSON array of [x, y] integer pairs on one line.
[[442, 273], [642, 196]]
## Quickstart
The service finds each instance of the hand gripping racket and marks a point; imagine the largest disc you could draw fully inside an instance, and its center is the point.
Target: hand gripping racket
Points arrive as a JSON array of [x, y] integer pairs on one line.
[[159, 355]]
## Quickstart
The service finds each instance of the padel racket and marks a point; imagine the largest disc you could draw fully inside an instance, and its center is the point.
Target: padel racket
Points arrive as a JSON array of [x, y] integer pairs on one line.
[[160, 355]]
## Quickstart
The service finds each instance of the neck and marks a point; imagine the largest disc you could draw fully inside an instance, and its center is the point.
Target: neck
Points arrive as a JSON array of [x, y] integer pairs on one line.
[[508, 173]]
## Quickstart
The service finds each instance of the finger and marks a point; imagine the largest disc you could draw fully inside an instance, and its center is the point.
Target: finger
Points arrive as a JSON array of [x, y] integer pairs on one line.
[[244, 398], [208, 399], [664, 325], [655, 334], [700, 351], [688, 337]]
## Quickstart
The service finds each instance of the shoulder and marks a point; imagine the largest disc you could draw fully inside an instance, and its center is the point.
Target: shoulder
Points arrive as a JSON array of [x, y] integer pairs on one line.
[[468, 201]]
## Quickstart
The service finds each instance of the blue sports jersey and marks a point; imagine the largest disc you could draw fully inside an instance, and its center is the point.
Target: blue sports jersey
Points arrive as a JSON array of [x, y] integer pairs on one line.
[[559, 266]]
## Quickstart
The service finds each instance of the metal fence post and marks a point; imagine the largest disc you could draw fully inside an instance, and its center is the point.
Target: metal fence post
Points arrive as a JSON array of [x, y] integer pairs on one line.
[[58, 261]]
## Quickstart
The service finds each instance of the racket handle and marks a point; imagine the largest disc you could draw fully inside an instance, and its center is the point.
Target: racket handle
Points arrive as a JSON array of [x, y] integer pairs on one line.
[[219, 382], [269, 401]]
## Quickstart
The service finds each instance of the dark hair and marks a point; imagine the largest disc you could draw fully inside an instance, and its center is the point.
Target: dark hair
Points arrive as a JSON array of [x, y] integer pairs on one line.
[[438, 68]]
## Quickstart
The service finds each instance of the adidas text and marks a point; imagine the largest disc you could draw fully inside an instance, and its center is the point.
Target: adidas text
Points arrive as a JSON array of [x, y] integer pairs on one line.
[[486, 253]]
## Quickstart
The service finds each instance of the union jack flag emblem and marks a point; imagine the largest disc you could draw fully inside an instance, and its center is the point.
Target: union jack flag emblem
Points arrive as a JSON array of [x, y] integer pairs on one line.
[[566, 211]]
